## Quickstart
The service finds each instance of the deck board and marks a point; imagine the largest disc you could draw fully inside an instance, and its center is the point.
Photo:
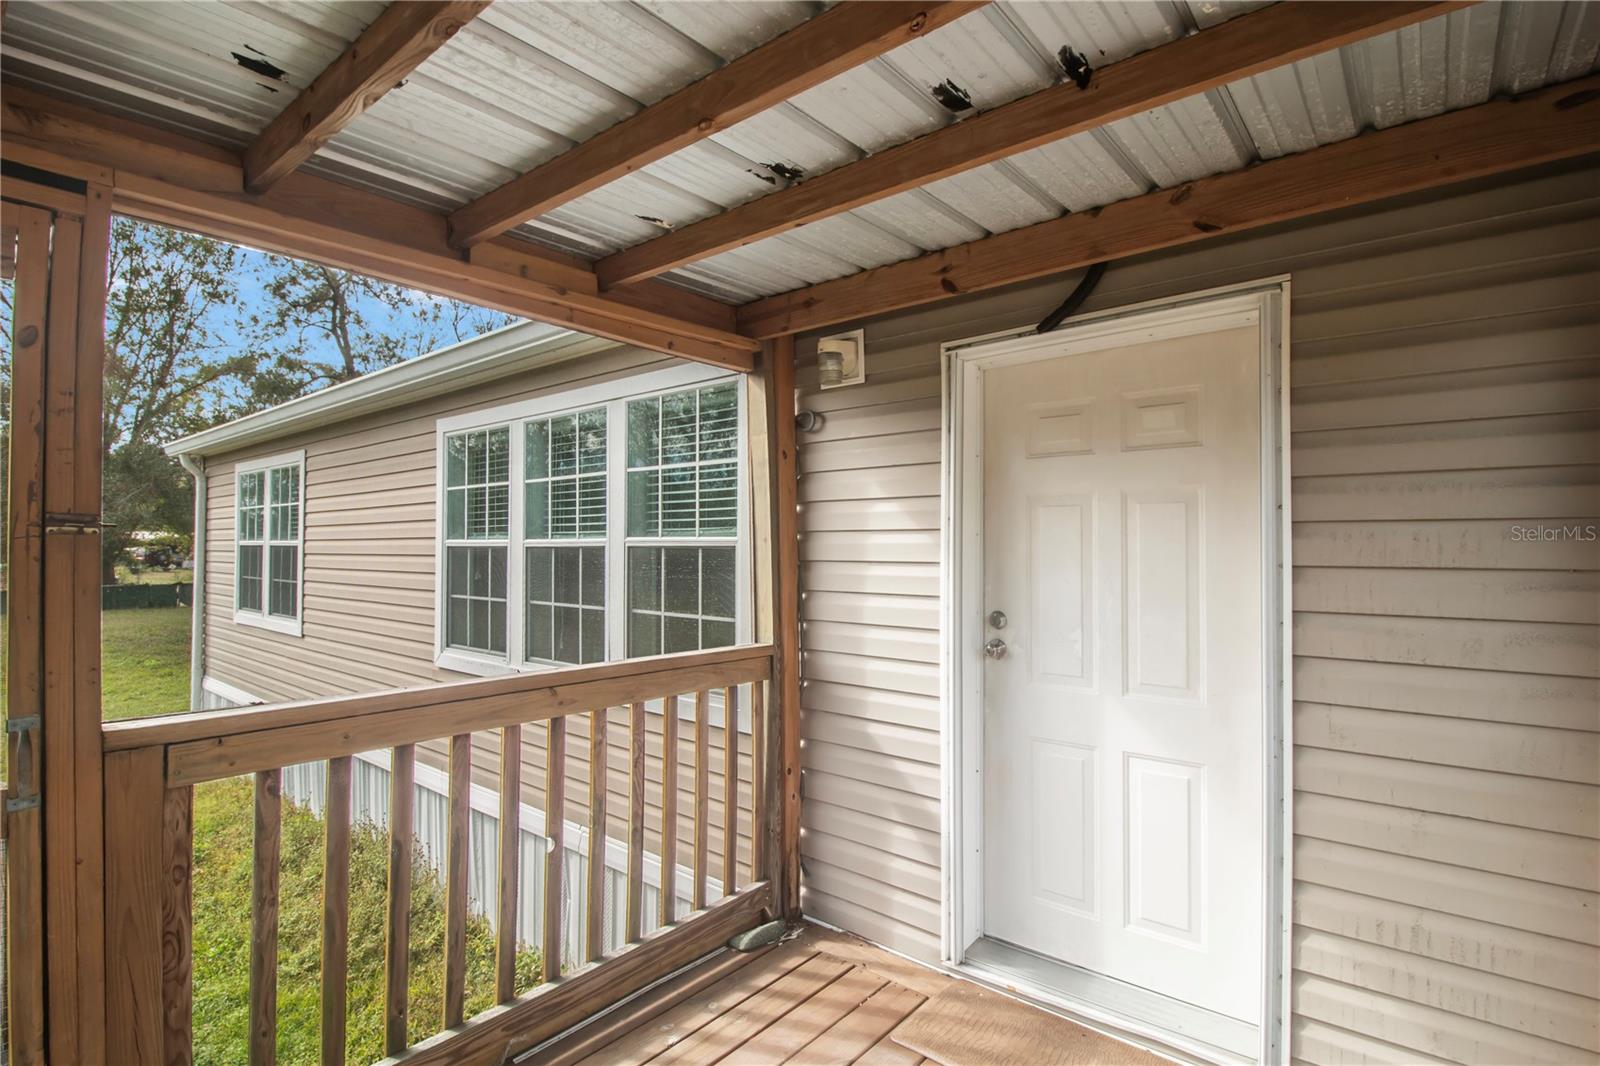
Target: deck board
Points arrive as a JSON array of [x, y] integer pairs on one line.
[[824, 998], [852, 1036], [967, 1025], [731, 1031], [777, 1042], [649, 1040]]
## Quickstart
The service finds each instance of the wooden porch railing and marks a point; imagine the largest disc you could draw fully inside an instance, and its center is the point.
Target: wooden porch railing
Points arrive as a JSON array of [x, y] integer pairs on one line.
[[153, 765]]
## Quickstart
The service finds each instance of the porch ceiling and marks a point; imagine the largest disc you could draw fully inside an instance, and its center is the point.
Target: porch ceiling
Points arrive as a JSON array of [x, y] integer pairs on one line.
[[525, 81]]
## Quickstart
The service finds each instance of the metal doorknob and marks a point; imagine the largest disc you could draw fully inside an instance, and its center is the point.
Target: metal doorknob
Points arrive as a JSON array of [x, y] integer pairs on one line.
[[995, 648]]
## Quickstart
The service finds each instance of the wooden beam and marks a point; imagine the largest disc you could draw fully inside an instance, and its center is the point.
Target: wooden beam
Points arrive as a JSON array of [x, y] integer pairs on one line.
[[392, 47], [171, 179], [1555, 123], [809, 54], [1250, 44], [784, 859]]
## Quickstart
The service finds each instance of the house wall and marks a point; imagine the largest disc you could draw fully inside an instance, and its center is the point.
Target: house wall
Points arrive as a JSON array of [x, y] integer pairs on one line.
[[1446, 386], [368, 599]]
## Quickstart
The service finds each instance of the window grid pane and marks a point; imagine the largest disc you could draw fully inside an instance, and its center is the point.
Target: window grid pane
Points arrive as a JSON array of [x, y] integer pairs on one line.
[[478, 484], [475, 598], [565, 477], [680, 599], [268, 541], [565, 615], [249, 565], [682, 474]]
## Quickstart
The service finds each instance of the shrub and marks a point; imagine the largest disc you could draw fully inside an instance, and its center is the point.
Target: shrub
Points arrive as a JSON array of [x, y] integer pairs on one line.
[[223, 829]]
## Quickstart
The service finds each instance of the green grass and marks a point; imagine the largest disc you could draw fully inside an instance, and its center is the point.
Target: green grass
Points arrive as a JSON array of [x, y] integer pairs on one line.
[[144, 661], [145, 670], [222, 870], [126, 576]]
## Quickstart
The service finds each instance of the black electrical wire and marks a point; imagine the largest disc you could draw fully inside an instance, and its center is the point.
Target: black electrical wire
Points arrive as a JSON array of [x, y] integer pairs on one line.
[[1086, 285]]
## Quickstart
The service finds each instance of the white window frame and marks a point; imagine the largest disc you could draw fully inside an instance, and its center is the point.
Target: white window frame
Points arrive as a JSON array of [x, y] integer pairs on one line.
[[521, 542], [445, 543], [261, 619], [613, 395]]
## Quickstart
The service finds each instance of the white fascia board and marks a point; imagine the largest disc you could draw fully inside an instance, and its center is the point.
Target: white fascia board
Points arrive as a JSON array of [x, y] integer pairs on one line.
[[522, 346]]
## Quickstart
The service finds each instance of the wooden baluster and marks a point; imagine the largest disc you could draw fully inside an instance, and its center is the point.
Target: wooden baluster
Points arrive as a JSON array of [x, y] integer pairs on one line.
[[702, 795], [636, 738], [397, 943], [668, 901], [555, 860], [455, 893], [758, 745], [595, 924], [505, 947], [730, 789], [177, 921], [336, 911], [264, 920]]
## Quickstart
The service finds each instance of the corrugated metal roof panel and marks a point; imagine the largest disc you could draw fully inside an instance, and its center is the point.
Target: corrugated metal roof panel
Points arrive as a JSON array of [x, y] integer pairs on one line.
[[1078, 172], [526, 81]]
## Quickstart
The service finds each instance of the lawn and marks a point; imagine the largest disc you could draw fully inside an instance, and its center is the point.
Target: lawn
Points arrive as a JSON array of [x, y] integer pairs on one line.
[[144, 661], [145, 670], [222, 871], [127, 576]]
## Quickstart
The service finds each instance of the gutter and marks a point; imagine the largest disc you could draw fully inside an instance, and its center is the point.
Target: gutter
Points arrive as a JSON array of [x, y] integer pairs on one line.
[[196, 465]]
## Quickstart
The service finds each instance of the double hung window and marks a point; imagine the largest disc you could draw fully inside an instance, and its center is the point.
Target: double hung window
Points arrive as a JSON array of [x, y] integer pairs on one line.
[[267, 542], [602, 523], [477, 505]]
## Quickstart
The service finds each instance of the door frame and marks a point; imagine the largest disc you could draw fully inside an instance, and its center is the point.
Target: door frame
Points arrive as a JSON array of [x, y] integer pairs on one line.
[[1266, 302]]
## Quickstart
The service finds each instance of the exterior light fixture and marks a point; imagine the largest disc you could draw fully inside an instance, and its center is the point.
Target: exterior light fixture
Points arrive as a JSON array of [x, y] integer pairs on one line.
[[842, 359]]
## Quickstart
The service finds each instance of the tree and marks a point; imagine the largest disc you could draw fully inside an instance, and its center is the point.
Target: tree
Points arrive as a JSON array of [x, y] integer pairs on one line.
[[172, 307], [322, 326], [199, 332]]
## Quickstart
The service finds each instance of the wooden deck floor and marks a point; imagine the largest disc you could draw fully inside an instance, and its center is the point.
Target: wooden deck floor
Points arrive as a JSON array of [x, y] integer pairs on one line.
[[827, 999]]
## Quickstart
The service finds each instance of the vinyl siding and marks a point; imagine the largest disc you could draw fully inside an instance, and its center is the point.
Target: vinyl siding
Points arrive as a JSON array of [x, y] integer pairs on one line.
[[1446, 384], [368, 597]]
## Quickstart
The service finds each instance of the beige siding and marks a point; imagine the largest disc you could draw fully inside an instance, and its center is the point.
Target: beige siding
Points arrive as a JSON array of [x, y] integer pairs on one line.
[[1446, 383], [368, 611]]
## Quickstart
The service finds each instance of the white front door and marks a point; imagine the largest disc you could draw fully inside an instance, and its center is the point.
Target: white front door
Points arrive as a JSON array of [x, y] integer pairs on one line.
[[1123, 726]]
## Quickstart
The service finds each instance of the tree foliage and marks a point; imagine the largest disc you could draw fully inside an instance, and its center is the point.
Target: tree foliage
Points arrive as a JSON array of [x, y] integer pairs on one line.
[[199, 331]]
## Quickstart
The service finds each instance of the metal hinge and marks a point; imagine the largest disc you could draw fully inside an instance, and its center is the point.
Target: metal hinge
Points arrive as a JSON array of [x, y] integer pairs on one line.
[[72, 523]]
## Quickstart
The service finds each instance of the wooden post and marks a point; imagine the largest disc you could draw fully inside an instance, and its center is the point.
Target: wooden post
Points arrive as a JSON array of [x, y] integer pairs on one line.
[[636, 745], [702, 795], [594, 940], [668, 895], [505, 944], [774, 470], [455, 888], [264, 919], [555, 859], [335, 911], [177, 940], [397, 941], [134, 898], [730, 789], [25, 942], [758, 755]]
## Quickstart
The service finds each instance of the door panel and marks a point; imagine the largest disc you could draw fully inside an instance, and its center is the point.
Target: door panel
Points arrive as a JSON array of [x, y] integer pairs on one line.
[[1123, 727]]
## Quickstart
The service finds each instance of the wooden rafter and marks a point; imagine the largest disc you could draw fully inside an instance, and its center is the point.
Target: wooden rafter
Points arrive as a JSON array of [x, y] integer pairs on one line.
[[1559, 122], [399, 39], [168, 178], [809, 54], [1250, 44]]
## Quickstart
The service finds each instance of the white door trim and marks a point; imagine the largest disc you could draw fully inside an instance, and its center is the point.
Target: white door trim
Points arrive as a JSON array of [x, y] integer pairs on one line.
[[961, 735]]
